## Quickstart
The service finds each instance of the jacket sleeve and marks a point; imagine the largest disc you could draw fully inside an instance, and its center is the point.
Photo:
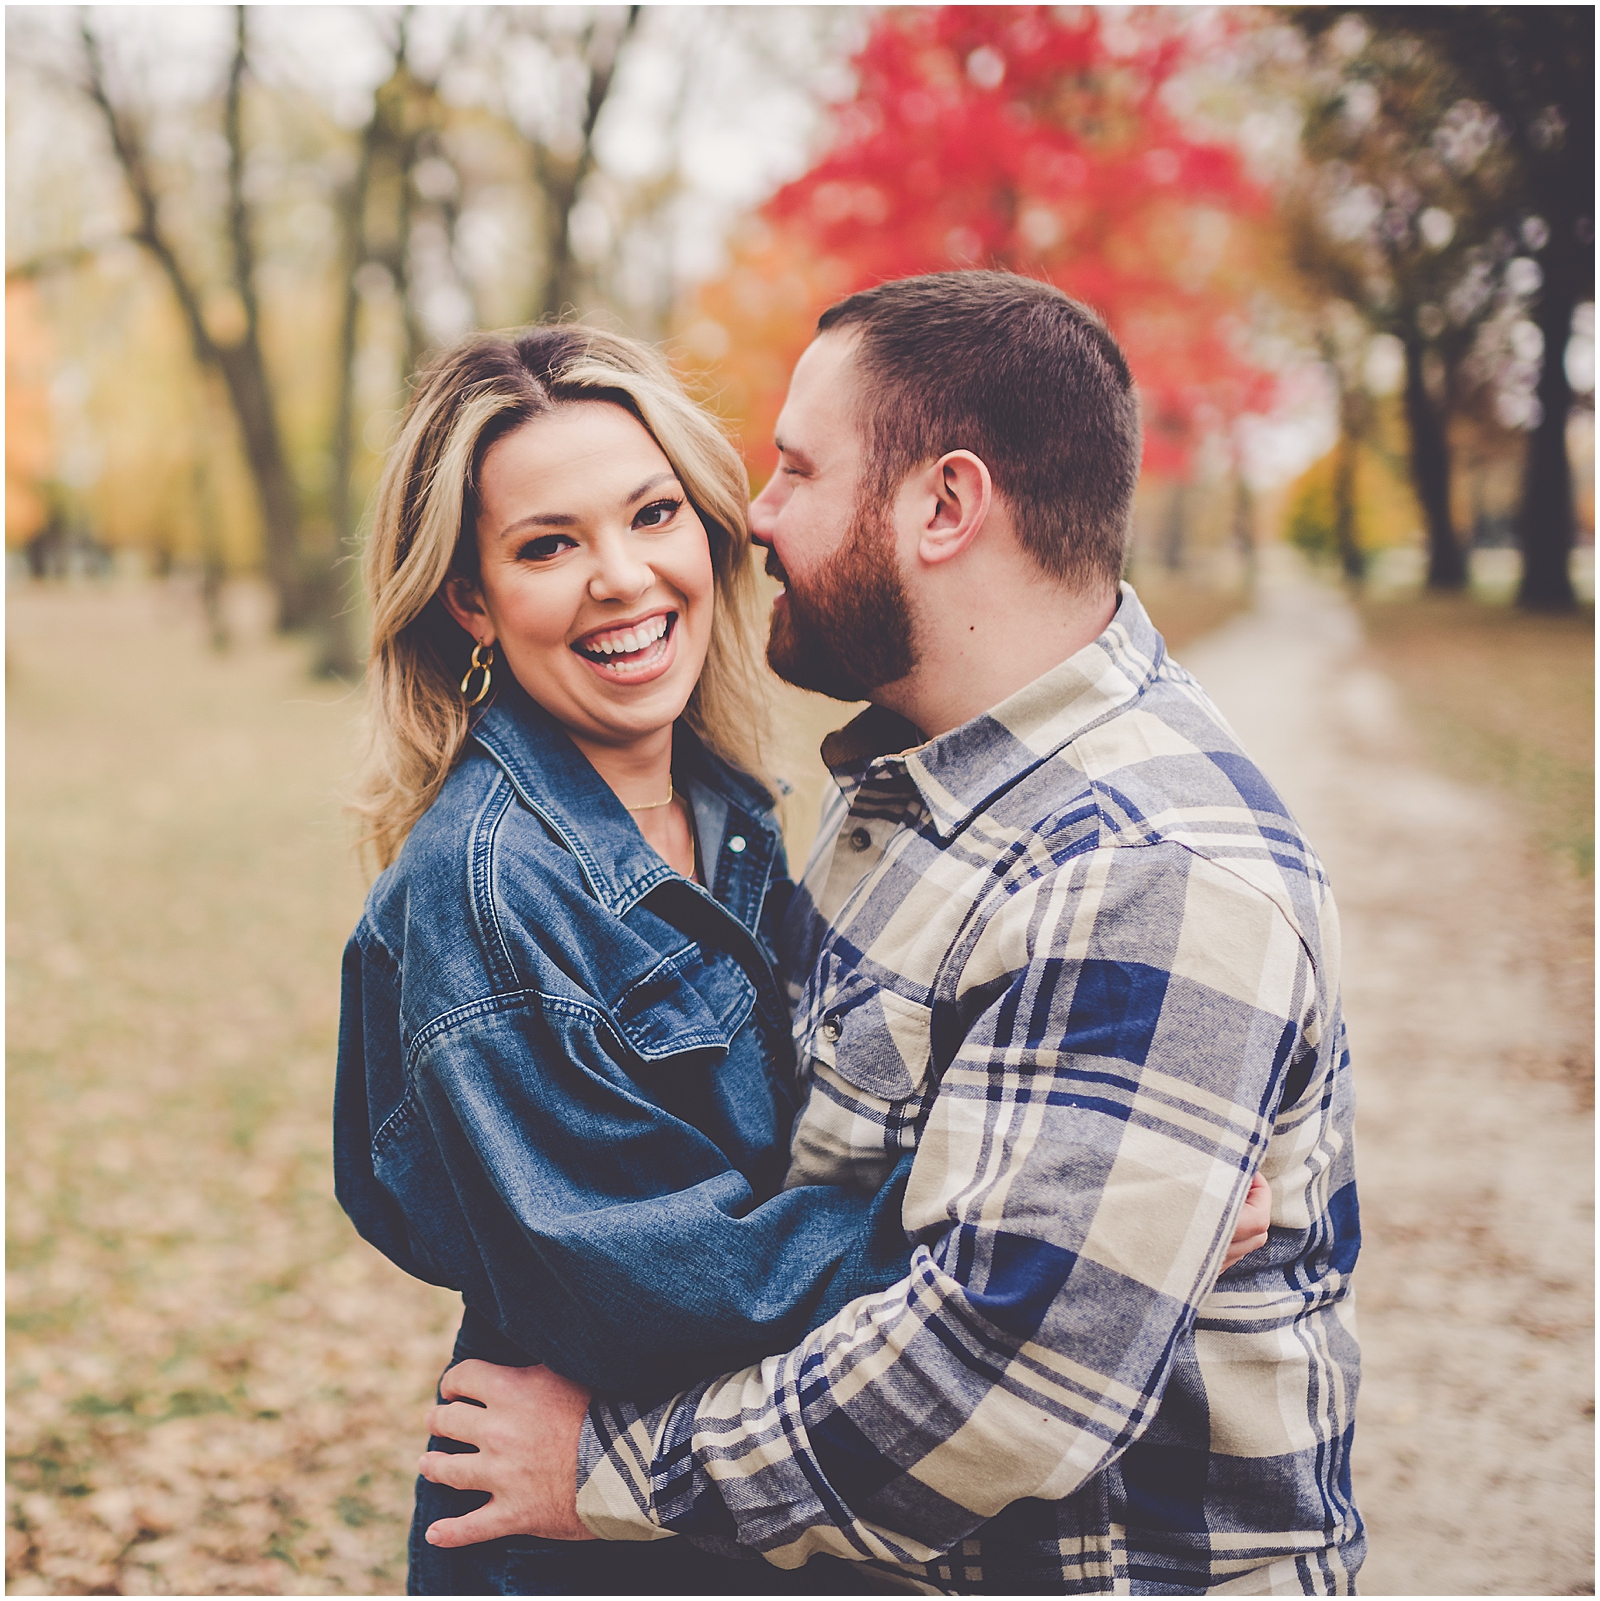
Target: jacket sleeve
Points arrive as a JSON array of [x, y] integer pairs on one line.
[[369, 1074], [600, 1232], [1073, 1193]]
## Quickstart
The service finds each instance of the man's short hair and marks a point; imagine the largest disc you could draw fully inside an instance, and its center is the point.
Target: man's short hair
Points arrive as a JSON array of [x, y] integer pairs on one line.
[[1024, 377]]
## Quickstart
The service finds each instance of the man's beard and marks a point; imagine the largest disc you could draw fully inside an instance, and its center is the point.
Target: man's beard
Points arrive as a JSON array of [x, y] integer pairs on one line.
[[850, 630]]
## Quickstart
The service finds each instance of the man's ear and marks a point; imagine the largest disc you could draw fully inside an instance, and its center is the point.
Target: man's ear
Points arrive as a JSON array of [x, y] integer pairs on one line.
[[464, 601], [963, 496]]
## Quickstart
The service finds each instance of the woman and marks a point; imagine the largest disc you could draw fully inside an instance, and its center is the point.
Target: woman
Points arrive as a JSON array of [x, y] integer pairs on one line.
[[564, 1071]]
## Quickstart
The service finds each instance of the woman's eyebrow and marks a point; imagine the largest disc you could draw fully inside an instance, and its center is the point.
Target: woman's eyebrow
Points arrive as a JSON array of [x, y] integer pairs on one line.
[[561, 519], [649, 484], [541, 519]]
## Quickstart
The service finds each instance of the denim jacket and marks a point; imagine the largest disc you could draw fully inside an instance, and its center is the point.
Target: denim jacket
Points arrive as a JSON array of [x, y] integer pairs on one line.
[[565, 1076]]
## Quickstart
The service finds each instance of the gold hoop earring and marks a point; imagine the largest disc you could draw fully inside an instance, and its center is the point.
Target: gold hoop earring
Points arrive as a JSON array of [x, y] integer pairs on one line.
[[478, 667]]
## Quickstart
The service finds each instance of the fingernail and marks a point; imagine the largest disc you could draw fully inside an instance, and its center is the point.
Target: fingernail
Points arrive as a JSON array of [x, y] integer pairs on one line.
[[430, 1538]]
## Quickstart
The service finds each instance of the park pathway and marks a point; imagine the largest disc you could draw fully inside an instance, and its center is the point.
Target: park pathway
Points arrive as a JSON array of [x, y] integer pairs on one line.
[[1474, 1454]]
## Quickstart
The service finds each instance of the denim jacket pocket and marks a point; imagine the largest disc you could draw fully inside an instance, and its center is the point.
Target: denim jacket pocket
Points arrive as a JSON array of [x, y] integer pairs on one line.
[[691, 1001]]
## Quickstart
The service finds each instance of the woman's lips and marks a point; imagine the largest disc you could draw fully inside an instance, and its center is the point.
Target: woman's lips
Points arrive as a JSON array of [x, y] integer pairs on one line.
[[632, 651]]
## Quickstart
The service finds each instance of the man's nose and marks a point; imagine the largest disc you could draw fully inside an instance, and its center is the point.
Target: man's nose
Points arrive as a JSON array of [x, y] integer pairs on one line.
[[764, 509], [763, 512]]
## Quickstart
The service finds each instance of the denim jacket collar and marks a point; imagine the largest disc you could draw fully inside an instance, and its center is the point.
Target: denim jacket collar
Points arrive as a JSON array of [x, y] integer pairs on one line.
[[558, 783]]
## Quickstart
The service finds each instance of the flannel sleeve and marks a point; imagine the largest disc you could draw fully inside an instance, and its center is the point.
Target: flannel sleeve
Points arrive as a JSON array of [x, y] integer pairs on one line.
[[1139, 1011]]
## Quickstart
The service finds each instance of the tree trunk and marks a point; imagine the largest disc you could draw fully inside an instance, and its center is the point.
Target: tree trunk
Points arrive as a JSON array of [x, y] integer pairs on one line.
[[405, 157], [1354, 416], [559, 294], [242, 366], [1172, 542], [1545, 517], [244, 372], [1534, 66], [1352, 559], [244, 369], [213, 562], [1244, 527], [1430, 474], [561, 189], [338, 654]]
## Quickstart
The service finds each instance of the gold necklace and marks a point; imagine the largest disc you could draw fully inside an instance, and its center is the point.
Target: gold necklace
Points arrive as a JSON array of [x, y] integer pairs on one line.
[[650, 806]]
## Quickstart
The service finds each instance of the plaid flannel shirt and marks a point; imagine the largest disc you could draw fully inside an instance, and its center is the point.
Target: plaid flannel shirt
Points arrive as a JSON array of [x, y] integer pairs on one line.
[[1076, 965]]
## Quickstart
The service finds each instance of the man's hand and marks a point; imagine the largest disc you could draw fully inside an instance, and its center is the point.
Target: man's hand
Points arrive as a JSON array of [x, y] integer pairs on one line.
[[526, 1433], [1250, 1232], [527, 1429]]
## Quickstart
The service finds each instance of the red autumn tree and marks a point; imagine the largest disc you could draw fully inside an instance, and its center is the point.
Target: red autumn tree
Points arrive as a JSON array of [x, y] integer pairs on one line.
[[1023, 137]]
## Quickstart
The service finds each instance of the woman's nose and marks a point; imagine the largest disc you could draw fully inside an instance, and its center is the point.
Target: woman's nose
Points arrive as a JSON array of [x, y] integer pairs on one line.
[[620, 573]]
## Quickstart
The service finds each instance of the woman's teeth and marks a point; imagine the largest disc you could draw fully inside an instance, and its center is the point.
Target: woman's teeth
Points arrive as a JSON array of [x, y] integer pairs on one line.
[[609, 650]]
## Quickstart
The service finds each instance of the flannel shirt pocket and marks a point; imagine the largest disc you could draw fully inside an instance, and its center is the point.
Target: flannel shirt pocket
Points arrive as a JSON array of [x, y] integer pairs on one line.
[[873, 1038]]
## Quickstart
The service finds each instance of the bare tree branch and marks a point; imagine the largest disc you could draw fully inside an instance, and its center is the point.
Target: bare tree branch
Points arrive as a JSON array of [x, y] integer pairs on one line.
[[239, 240], [241, 363], [129, 151], [600, 51]]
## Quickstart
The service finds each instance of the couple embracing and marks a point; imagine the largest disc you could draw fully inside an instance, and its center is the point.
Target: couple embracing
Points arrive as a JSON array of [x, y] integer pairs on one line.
[[974, 1216]]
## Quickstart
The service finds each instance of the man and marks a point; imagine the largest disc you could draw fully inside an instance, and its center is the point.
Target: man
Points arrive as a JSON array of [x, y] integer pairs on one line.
[[1060, 939]]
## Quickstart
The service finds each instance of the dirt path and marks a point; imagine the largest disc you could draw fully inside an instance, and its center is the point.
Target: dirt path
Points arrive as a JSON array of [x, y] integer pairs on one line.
[[1474, 1456]]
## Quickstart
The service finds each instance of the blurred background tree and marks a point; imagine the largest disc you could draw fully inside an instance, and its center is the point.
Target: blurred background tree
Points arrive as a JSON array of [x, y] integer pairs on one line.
[[1449, 198], [319, 200], [1395, 217], [30, 440], [218, 296], [1038, 140], [1317, 232]]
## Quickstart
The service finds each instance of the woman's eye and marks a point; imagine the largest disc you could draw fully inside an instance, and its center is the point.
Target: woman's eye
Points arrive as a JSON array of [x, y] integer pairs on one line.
[[657, 514], [545, 547]]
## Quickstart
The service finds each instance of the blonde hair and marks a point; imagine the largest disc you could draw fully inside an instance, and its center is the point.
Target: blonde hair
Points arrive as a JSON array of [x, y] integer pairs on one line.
[[425, 531]]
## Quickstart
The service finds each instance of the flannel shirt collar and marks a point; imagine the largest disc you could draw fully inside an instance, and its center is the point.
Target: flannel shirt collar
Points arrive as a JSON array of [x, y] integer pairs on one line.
[[960, 773]]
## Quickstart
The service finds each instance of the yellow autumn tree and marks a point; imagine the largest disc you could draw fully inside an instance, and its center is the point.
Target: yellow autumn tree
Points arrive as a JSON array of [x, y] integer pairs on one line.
[[30, 443]]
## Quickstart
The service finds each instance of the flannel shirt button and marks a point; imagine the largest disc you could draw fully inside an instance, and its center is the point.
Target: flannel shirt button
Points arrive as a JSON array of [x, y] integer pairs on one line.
[[832, 1028], [860, 838], [736, 844]]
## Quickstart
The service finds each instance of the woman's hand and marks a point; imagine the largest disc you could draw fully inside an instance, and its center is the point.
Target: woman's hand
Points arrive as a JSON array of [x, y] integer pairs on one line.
[[1250, 1232], [526, 1432]]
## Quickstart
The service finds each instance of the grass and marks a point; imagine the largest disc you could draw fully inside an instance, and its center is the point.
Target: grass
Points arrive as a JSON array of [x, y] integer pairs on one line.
[[1505, 700], [1502, 698], [215, 1387]]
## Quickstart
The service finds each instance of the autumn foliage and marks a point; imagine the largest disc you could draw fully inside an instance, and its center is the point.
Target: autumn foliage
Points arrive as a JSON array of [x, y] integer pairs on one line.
[[1014, 136], [30, 444]]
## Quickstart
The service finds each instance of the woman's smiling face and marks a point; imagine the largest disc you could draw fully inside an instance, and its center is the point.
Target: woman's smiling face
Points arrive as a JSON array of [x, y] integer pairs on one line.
[[596, 585]]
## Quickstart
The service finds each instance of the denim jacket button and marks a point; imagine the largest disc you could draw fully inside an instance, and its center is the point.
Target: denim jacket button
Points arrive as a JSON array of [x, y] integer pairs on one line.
[[736, 844], [860, 838], [832, 1028]]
